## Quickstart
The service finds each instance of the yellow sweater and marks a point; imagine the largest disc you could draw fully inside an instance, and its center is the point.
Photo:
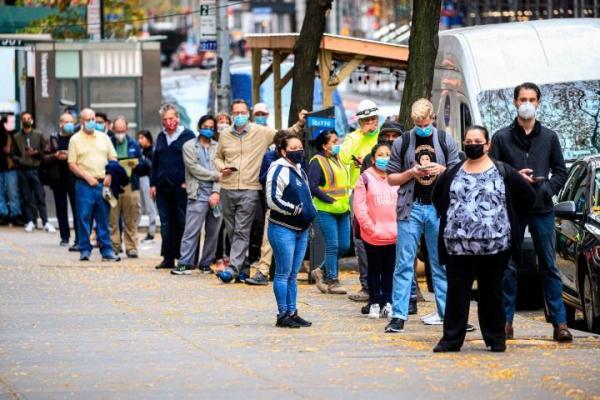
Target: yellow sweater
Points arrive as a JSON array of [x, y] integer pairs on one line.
[[245, 152]]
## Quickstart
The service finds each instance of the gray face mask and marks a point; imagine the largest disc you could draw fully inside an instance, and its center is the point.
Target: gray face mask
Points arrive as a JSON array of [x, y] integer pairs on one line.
[[526, 111]]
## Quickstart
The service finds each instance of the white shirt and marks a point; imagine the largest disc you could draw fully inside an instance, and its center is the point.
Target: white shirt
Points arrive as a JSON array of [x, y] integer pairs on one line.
[[174, 136]]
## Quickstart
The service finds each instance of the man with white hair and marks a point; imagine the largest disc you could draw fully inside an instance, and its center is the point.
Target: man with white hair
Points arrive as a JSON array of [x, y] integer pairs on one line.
[[89, 152]]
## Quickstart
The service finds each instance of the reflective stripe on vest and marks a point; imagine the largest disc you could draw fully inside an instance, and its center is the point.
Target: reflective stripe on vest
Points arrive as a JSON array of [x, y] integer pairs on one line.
[[336, 185]]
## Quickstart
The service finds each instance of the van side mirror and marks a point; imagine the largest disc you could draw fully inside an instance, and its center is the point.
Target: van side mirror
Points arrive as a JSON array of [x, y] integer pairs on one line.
[[567, 210]]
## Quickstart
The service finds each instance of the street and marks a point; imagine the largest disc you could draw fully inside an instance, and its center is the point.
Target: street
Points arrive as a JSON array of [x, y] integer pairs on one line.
[[125, 330]]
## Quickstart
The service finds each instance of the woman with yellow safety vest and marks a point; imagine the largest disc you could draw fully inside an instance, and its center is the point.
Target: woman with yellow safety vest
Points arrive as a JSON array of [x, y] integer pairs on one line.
[[329, 184]]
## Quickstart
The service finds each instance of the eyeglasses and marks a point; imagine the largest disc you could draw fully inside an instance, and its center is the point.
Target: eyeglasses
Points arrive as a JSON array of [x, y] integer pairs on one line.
[[367, 111]]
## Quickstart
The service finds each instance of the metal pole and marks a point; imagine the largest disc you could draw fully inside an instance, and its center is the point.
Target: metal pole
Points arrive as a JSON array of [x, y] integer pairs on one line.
[[223, 78]]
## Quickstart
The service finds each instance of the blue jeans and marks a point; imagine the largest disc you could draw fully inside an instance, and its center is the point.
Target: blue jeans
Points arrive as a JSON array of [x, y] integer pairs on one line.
[[10, 203], [541, 227], [336, 233], [422, 218], [289, 247], [91, 206]]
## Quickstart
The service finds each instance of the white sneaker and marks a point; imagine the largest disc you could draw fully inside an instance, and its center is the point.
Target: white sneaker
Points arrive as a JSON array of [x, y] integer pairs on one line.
[[386, 311], [374, 311], [435, 320], [429, 316], [49, 228], [30, 226]]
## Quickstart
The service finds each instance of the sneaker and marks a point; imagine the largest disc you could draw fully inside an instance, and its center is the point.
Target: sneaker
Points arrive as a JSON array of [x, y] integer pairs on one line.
[[148, 239], [442, 348], [111, 257], [317, 275], [412, 307], [48, 227], [430, 316], [335, 287], [287, 321], [74, 248], [300, 321], [374, 311], [164, 264], [497, 348], [470, 328], [258, 279], [132, 253], [435, 320], [242, 276], [386, 311], [360, 296], [205, 269], [395, 325], [63, 243], [225, 276], [84, 257], [29, 227], [181, 270]]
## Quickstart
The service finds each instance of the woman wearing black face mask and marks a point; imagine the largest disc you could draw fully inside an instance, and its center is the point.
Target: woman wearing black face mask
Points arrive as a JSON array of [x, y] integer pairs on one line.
[[481, 203]]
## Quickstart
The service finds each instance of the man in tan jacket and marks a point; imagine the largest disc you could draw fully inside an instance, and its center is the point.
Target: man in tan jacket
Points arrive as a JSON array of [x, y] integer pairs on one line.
[[239, 154]]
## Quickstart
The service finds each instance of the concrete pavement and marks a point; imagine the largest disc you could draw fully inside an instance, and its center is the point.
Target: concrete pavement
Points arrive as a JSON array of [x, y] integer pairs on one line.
[[125, 330]]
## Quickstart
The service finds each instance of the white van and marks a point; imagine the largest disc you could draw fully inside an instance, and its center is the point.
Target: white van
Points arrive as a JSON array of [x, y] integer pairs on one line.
[[477, 69]]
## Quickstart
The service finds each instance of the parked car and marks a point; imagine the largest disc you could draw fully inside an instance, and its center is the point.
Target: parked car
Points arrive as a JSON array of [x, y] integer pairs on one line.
[[187, 55], [577, 230]]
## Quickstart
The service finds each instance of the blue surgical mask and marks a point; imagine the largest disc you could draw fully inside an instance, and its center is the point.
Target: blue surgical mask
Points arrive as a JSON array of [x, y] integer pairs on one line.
[[382, 163], [90, 125], [240, 120], [100, 126], [261, 120], [424, 132], [335, 149], [69, 128], [207, 133]]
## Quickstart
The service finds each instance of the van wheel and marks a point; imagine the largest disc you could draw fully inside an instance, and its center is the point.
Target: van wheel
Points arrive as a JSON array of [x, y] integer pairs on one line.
[[591, 308]]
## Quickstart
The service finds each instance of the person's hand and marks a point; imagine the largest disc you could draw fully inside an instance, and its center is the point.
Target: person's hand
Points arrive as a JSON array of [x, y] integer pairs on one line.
[[61, 155], [526, 174], [93, 182], [416, 172], [31, 152], [107, 180], [214, 199], [302, 117], [357, 161], [226, 172], [183, 185], [153, 192], [434, 169]]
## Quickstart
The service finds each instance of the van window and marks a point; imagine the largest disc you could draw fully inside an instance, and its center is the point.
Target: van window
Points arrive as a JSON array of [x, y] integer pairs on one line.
[[465, 119], [568, 108]]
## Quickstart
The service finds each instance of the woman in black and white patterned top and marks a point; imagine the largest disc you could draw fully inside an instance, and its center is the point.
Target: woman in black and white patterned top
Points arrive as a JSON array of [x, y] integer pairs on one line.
[[480, 203]]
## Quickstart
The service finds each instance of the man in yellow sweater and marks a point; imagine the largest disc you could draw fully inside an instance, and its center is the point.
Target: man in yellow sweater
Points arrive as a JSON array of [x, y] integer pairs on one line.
[[352, 152], [238, 157]]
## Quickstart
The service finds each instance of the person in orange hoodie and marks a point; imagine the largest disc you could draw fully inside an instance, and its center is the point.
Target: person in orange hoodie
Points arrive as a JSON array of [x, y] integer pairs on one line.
[[374, 207]]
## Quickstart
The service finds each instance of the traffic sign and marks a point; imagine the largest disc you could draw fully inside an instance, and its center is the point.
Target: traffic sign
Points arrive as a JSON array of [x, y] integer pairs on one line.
[[208, 25], [208, 45]]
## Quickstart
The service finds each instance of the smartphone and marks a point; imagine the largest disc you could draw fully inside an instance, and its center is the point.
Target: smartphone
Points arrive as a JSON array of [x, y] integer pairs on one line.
[[232, 169], [356, 160], [424, 167]]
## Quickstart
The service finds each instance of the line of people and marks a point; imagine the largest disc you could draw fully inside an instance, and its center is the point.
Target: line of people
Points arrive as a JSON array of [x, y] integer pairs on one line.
[[383, 188]]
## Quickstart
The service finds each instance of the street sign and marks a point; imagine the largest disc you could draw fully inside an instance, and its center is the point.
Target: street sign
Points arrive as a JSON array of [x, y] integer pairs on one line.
[[208, 25], [318, 124]]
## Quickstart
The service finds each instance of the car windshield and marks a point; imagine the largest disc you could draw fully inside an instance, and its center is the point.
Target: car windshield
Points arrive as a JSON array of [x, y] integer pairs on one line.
[[571, 109]]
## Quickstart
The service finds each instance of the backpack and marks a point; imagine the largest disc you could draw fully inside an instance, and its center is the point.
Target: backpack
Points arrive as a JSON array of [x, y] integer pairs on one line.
[[441, 139]]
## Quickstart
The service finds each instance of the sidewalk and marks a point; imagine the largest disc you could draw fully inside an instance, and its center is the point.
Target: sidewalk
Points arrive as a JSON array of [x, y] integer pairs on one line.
[[125, 330]]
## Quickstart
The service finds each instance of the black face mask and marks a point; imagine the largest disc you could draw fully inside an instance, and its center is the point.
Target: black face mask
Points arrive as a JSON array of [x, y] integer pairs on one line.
[[474, 151], [296, 156], [27, 124]]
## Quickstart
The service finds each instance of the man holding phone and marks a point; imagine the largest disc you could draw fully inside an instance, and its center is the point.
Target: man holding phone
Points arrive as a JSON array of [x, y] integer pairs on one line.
[[238, 158], [535, 152]]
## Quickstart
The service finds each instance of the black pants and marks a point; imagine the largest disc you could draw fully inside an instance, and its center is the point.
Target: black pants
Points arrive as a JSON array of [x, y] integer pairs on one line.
[[461, 271], [171, 206], [30, 183], [381, 261], [63, 191]]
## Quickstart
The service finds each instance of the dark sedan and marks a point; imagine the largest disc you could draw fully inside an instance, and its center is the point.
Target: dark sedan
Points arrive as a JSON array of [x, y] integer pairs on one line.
[[577, 229]]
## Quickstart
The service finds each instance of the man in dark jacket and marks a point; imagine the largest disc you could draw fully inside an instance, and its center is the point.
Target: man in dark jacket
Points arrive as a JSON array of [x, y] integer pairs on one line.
[[128, 204], [535, 152], [61, 179], [28, 150], [167, 183]]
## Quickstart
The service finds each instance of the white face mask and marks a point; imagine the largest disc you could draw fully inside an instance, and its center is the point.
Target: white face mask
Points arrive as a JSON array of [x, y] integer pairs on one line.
[[526, 111], [120, 137], [222, 127]]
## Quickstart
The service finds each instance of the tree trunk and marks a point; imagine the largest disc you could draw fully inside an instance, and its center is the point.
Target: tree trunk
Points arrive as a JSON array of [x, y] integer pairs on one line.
[[306, 51], [423, 46]]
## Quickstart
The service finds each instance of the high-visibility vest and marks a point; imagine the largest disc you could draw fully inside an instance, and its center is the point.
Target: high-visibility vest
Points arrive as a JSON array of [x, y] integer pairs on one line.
[[337, 181]]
